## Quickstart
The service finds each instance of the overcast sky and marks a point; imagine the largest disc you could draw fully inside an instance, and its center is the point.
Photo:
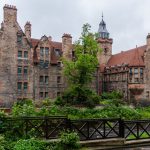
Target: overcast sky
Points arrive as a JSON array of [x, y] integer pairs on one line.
[[128, 21]]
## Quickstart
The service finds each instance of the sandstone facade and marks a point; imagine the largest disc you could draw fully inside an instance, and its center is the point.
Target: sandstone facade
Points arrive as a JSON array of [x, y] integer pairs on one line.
[[31, 68]]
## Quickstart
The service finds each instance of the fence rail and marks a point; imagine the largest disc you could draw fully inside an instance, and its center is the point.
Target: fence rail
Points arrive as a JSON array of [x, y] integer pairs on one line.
[[87, 129]]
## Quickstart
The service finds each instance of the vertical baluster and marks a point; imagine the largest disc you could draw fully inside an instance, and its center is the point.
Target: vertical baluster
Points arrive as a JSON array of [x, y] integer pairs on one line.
[[104, 128], [121, 128], [138, 135]]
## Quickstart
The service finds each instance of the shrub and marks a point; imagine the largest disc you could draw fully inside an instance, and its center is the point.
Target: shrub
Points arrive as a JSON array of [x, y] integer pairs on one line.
[[112, 95], [24, 108], [69, 141], [29, 144], [83, 96], [2, 143]]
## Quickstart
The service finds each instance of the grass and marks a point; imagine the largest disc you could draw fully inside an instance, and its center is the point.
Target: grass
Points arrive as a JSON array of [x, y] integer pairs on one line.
[[143, 136]]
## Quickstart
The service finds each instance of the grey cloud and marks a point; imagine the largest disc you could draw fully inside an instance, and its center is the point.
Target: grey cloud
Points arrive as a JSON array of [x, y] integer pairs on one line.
[[127, 21]]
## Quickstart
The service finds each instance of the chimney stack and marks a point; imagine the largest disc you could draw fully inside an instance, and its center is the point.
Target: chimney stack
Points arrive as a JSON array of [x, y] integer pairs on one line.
[[27, 29], [10, 14]]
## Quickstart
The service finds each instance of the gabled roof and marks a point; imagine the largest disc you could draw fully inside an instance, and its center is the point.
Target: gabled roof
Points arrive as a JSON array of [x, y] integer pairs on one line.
[[133, 57], [55, 45]]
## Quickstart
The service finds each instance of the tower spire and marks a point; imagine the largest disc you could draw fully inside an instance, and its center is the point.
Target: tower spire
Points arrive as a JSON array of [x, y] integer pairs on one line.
[[102, 31]]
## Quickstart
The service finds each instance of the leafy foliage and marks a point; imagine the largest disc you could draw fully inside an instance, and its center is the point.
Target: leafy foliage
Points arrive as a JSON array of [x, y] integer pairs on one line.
[[112, 98], [79, 72], [77, 95], [2, 143], [69, 140], [23, 108], [29, 144]]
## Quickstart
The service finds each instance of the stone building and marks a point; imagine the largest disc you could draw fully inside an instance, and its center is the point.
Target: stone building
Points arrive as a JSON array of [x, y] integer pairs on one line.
[[31, 68], [127, 71]]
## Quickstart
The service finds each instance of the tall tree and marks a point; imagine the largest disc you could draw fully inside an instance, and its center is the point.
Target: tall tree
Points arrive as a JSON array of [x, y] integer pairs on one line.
[[79, 72]]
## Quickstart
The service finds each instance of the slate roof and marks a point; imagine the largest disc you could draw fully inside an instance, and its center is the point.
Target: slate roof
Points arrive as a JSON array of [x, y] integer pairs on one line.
[[132, 57]]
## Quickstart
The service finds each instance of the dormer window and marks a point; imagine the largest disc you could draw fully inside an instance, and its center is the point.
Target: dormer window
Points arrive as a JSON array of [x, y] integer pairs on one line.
[[57, 52]]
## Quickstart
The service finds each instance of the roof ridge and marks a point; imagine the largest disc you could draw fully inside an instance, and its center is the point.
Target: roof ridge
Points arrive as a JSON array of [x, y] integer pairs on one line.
[[129, 50]]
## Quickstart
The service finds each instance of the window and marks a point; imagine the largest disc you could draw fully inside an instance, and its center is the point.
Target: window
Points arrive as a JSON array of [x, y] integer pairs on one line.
[[58, 93], [20, 70], [73, 54], [25, 70], [135, 70], [58, 64], [19, 86], [41, 63], [41, 79], [147, 94], [46, 64], [105, 50], [130, 71], [19, 54], [141, 71], [41, 94], [58, 79], [46, 51], [25, 54], [46, 79], [19, 38], [46, 94], [25, 87], [41, 51]]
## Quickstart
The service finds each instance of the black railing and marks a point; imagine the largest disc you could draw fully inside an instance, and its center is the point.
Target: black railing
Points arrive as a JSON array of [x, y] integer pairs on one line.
[[87, 129]]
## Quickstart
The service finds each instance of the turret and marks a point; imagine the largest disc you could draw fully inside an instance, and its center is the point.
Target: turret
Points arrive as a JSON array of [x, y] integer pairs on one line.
[[67, 45], [105, 43], [27, 29]]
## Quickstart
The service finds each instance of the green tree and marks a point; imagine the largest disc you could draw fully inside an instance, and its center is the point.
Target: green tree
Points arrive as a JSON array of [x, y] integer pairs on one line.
[[79, 72]]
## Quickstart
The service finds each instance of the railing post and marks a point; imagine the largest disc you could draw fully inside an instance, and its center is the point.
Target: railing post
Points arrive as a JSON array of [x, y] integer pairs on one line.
[[68, 124], [46, 127], [104, 128], [26, 127], [121, 128]]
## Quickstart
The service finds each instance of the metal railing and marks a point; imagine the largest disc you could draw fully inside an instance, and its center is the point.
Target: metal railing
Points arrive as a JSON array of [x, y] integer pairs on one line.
[[87, 129]]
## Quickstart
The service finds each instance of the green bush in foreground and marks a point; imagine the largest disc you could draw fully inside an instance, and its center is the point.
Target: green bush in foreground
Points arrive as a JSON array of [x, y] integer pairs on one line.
[[69, 141], [29, 144]]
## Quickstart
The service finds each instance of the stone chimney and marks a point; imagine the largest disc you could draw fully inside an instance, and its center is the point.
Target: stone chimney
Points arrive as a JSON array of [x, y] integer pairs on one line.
[[67, 45], [27, 29], [10, 14]]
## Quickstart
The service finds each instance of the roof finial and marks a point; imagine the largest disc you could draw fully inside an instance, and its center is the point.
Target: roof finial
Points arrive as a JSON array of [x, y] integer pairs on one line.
[[102, 16]]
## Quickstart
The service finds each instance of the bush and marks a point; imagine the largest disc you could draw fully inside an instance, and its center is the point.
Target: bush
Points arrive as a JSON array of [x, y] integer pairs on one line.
[[112, 95], [2, 143], [24, 108], [80, 96], [29, 144], [69, 141]]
